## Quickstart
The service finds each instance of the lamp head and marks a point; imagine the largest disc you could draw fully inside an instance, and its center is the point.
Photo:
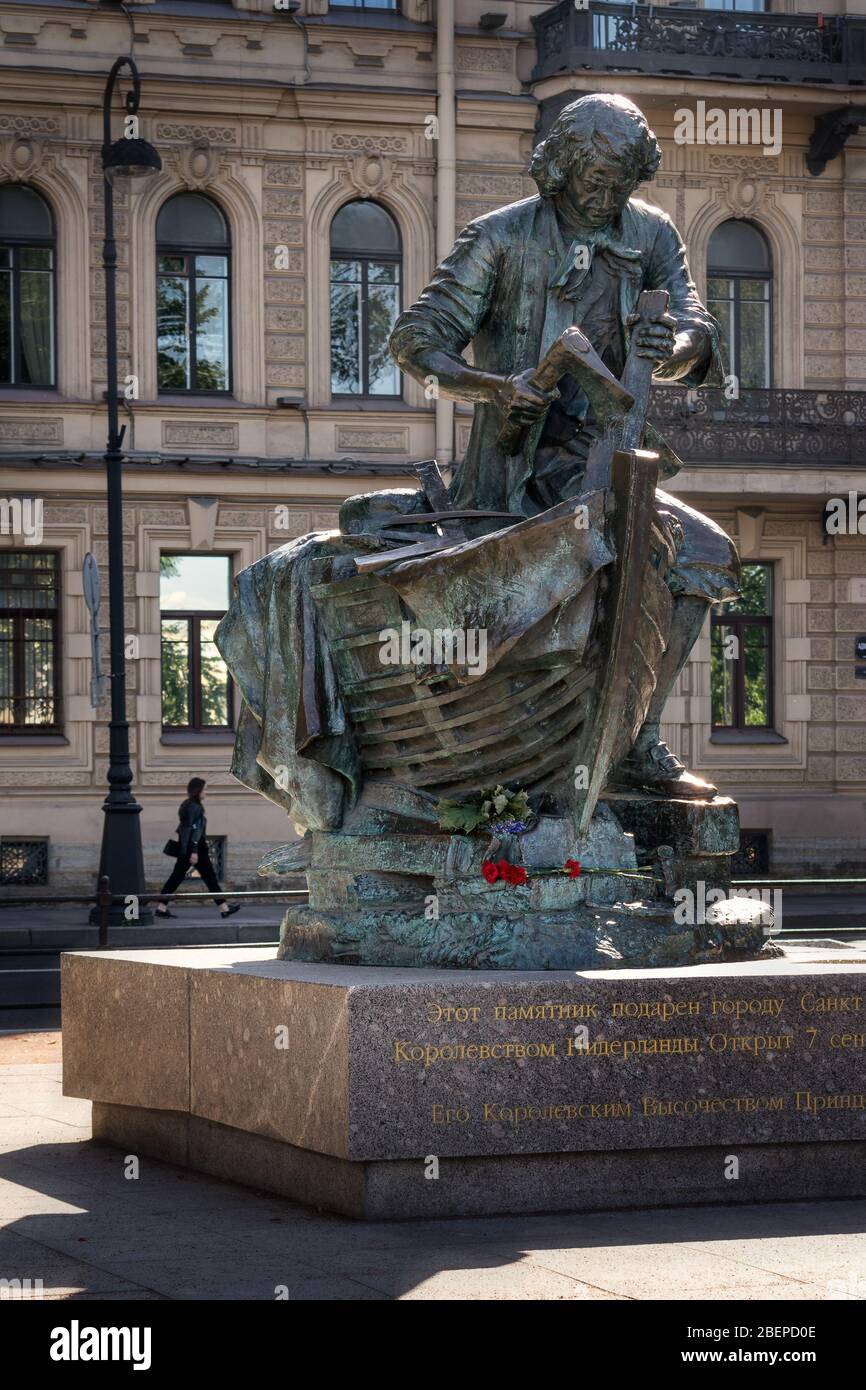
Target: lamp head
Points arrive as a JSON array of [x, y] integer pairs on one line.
[[130, 159]]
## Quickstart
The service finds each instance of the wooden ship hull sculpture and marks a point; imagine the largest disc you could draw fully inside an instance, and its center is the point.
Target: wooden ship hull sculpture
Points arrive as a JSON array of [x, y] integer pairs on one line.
[[548, 701], [576, 612]]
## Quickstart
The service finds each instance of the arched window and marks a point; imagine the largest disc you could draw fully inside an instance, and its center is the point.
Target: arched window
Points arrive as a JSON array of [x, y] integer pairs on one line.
[[739, 293], [365, 300], [193, 331], [26, 288]]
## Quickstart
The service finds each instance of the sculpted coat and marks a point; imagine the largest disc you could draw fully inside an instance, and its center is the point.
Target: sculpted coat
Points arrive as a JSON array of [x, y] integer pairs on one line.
[[509, 287]]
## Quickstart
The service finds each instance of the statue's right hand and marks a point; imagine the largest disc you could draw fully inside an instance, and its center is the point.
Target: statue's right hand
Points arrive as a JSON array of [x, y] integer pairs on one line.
[[520, 401]]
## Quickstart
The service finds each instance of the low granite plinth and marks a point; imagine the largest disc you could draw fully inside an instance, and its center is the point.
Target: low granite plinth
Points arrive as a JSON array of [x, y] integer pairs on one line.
[[349, 1088], [508, 1185]]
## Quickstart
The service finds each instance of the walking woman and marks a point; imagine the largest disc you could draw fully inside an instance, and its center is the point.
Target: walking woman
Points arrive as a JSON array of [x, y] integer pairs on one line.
[[192, 849]]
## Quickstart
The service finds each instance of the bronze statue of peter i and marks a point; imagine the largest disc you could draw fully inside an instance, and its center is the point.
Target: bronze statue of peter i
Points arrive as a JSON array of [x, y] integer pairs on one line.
[[579, 253]]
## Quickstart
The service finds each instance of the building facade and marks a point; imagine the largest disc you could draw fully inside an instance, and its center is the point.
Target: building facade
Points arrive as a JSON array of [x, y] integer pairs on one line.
[[316, 162]]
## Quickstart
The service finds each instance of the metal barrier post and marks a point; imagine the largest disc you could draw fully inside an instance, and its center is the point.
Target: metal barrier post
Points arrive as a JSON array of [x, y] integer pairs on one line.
[[103, 899]]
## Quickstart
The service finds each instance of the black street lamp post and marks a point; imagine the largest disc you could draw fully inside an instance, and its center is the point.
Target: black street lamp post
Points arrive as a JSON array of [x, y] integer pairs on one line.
[[120, 858]]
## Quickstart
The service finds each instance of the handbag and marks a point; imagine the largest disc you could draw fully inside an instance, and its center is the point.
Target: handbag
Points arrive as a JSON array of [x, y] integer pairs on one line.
[[172, 849]]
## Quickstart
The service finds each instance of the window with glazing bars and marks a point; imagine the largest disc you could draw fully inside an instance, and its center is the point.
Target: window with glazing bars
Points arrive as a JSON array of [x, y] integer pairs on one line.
[[196, 690], [29, 642], [741, 654]]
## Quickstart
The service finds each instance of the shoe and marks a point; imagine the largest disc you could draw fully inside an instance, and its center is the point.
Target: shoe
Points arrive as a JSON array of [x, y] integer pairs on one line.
[[235, 907], [166, 913], [657, 769]]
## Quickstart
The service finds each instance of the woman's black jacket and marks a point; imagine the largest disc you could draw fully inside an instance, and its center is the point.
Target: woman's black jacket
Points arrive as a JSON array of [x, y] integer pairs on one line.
[[192, 826]]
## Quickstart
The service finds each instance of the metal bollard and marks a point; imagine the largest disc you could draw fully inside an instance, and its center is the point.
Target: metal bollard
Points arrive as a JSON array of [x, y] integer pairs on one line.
[[103, 899]]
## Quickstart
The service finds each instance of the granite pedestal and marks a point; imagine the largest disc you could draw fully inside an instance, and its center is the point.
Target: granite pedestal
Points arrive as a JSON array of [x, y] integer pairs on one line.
[[402, 1093]]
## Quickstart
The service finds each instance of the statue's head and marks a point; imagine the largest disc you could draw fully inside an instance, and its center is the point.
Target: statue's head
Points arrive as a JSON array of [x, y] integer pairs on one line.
[[599, 149]]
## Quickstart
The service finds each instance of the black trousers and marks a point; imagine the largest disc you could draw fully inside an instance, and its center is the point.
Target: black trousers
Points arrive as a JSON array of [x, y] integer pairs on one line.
[[204, 866]]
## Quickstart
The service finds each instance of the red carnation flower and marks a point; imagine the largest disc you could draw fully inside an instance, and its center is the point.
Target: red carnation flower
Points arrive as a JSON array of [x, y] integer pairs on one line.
[[504, 869], [517, 875], [573, 867], [490, 871]]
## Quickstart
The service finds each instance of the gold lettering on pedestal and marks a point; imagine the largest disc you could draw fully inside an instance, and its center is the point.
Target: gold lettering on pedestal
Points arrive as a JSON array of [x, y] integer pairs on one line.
[[711, 1105], [447, 1115], [516, 1115], [806, 1100], [431, 1053], [831, 1003], [446, 1013]]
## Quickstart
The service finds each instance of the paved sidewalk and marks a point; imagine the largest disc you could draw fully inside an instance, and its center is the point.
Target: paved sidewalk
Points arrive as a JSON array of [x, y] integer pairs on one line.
[[69, 1217], [69, 926]]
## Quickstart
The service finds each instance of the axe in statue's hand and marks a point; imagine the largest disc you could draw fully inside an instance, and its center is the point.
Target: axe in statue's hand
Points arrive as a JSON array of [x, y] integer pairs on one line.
[[571, 355]]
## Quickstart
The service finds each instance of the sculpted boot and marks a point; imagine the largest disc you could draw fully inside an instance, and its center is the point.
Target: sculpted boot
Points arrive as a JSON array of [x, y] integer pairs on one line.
[[651, 766]]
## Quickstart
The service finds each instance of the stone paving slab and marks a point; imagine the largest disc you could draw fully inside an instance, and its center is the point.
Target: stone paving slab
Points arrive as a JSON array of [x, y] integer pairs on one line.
[[30, 1047], [62, 1275]]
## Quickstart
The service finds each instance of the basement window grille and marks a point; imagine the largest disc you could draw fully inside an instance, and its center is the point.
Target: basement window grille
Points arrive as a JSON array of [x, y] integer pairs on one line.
[[23, 861], [752, 860]]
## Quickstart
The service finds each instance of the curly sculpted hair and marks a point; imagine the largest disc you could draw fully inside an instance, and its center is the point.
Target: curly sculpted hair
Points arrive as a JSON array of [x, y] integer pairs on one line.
[[595, 127]]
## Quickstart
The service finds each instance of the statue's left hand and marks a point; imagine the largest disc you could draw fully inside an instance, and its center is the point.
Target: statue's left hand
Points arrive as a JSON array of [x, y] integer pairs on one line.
[[656, 339]]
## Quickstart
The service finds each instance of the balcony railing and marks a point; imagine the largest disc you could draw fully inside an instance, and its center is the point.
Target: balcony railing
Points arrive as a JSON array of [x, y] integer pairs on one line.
[[735, 45], [811, 429]]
